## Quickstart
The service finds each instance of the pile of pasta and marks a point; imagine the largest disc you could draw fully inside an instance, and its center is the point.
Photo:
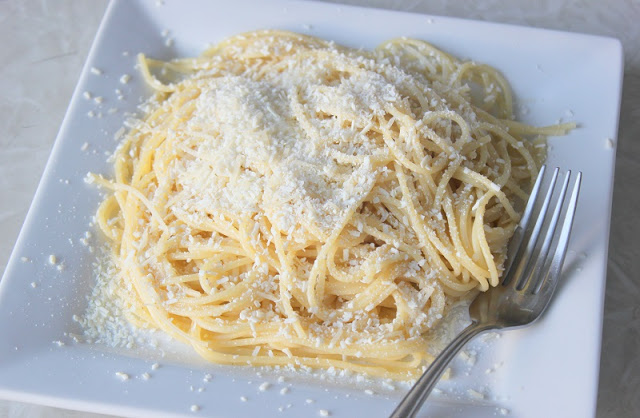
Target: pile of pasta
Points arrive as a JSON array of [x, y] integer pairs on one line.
[[286, 201]]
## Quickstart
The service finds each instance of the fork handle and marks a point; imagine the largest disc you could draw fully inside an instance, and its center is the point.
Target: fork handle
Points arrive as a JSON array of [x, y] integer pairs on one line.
[[416, 396]]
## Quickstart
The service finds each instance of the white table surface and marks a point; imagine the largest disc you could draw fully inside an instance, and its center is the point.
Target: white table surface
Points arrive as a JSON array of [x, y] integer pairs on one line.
[[43, 45]]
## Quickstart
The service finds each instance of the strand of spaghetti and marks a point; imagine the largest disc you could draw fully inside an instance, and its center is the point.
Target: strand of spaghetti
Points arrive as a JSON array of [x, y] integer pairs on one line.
[[465, 261], [480, 242], [149, 78], [286, 283], [315, 282], [134, 192], [427, 237], [478, 180]]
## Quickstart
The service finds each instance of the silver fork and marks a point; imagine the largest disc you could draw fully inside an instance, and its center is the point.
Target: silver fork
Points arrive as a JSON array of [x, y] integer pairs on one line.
[[535, 258]]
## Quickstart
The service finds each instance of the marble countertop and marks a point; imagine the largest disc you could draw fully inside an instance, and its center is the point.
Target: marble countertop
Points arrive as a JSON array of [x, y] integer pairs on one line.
[[45, 43]]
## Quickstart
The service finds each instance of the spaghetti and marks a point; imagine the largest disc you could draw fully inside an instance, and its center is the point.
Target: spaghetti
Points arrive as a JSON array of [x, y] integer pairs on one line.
[[289, 201]]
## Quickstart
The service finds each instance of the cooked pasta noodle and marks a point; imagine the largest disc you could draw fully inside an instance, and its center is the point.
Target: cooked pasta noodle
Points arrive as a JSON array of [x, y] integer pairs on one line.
[[288, 201]]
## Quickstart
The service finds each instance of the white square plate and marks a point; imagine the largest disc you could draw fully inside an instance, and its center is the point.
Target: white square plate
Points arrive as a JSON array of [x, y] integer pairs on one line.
[[549, 369]]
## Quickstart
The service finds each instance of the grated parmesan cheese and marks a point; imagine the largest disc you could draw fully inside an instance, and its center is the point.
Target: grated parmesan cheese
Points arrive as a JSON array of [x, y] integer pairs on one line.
[[609, 143], [122, 376], [264, 386]]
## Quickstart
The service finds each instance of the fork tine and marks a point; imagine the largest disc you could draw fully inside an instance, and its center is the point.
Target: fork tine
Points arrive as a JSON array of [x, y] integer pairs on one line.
[[530, 232], [532, 279], [553, 266], [518, 234]]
